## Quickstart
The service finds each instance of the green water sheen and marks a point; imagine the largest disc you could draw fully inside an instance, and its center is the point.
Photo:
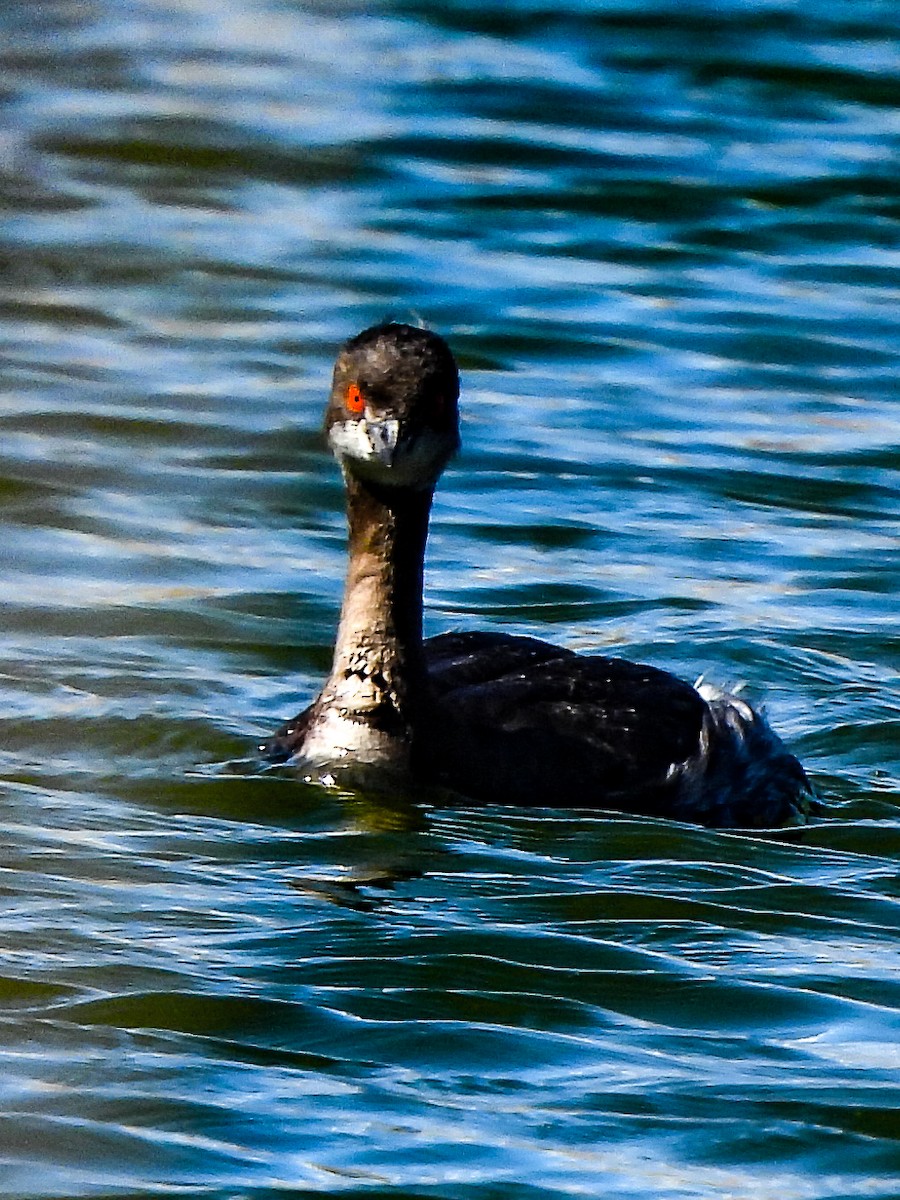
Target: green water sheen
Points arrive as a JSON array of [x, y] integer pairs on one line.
[[664, 241]]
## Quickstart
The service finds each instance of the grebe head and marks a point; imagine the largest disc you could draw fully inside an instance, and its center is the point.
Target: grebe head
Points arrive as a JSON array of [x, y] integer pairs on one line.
[[392, 417]]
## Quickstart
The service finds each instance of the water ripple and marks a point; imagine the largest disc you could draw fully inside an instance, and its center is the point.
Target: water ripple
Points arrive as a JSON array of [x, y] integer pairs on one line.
[[663, 241]]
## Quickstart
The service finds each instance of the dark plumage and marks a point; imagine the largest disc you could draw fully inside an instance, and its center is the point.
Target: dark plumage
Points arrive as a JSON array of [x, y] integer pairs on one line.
[[498, 718]]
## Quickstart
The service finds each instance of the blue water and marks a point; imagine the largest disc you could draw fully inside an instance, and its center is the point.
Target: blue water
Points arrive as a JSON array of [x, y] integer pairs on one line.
[[663, 240]]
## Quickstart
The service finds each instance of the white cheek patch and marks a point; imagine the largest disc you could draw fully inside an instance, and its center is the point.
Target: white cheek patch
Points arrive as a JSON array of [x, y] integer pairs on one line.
[[373, 453], [351, 439]]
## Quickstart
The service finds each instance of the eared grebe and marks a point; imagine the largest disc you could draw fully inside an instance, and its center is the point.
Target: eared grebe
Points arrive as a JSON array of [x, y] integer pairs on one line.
[[497, 718]]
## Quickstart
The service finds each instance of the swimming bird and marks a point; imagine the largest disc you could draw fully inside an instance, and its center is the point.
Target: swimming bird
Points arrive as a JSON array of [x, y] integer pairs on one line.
[[496, 717]]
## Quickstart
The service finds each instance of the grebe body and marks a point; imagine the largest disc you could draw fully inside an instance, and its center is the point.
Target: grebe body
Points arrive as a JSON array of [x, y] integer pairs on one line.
[[496, 717]]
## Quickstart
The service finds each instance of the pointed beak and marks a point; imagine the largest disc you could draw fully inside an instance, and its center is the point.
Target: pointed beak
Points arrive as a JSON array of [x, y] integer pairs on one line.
[[383, 437]]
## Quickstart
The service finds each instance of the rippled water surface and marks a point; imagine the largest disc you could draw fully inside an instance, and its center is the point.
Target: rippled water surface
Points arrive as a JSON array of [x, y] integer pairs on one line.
[[664, 240]]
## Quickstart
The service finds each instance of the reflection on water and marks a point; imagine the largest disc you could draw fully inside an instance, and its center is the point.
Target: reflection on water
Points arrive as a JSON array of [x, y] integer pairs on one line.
[[662, 240]]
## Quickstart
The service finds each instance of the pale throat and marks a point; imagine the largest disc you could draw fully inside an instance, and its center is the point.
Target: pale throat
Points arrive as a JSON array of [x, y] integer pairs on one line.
[[377, 689]]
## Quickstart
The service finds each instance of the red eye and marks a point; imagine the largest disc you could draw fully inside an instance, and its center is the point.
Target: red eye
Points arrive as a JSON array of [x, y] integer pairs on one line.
[[354, 400]]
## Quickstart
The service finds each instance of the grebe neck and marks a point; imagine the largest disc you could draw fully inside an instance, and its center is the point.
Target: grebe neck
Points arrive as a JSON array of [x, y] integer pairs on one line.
[[375, 692]]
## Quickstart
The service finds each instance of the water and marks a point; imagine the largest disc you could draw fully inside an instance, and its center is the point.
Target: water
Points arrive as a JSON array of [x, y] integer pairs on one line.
[[663, 240]]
